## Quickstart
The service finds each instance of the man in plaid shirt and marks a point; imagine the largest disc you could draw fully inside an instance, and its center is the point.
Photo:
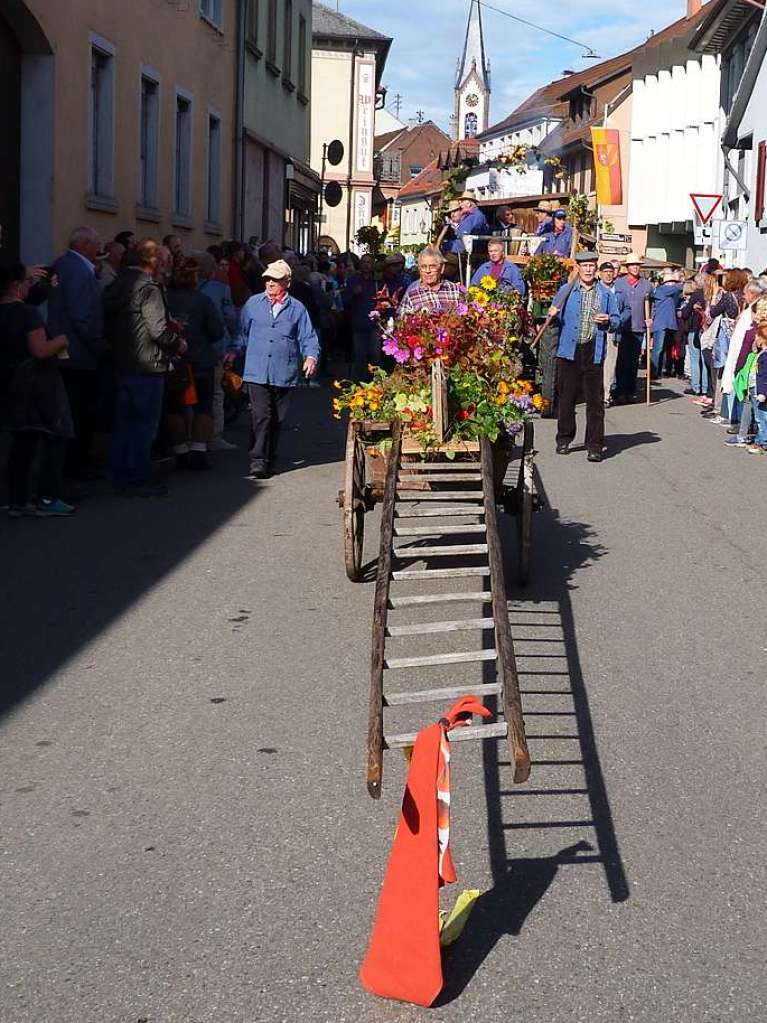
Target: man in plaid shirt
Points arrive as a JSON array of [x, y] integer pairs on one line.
[[430, 292]]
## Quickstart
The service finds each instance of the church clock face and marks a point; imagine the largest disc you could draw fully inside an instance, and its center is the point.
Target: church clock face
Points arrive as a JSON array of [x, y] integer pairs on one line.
[[472, 99]]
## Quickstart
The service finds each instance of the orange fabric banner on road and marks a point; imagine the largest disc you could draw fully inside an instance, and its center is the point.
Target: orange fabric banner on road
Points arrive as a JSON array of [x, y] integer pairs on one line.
[[607, 165]]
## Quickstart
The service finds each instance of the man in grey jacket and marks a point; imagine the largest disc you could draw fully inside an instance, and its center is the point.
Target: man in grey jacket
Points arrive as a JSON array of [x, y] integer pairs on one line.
[[74, 309], [143, 339]]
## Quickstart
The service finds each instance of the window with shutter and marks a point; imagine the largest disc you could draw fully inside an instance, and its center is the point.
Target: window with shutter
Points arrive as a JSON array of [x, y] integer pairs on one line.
[[761, 167]]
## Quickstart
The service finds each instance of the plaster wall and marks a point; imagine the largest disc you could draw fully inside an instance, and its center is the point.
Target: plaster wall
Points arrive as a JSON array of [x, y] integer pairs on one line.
[[185, 52]]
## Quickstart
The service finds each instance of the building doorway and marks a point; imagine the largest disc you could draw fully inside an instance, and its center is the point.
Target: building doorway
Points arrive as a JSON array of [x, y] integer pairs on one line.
[[27, 96]]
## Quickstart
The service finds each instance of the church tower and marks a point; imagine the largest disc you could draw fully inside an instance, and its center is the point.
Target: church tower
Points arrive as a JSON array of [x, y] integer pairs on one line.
[[471, 113]]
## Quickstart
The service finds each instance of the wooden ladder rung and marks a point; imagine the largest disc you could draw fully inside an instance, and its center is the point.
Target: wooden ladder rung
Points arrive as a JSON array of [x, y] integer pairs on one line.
[[439, 573], [439, 466], [485, 596], [427, 660], [456, 477], [495, 731], [425, 628], [453, 530], [438, 495], [439, 513], [448, 693], [448, 551]]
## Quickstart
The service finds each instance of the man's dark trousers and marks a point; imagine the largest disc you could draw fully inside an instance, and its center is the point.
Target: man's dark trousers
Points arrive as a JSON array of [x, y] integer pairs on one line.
[[268, 409], [82, 392], [573, 376], [627, 364]]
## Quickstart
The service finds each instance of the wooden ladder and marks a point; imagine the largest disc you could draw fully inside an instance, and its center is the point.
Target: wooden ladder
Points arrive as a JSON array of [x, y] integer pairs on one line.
[[428, 503]]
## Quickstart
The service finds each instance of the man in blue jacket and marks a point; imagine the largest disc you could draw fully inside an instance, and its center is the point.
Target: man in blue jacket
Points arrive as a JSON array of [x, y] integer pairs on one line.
[[667, 298], [504, 272], [277, 331], [74, 309], [634, 290], [586, 311]]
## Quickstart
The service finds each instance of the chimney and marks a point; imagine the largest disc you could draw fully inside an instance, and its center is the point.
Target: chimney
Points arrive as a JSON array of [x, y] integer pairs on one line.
[[693, 6]]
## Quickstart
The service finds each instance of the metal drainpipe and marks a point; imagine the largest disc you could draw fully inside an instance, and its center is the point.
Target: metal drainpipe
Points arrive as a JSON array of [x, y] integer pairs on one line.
[[238, 203], [351, 147]]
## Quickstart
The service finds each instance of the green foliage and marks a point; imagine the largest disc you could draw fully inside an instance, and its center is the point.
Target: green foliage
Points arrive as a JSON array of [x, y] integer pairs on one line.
[[371, 239]]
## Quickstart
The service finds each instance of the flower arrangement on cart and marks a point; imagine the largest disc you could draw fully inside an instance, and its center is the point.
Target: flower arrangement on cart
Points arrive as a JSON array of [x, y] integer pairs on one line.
[[478, 347]]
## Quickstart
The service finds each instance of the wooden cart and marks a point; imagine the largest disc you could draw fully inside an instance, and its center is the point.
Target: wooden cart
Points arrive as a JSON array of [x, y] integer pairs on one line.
[[365, 473]]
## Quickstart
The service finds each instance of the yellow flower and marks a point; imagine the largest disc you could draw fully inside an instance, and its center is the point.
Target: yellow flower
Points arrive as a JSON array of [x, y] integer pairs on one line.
[[337, 384], [503, 387], [482, 299], [488, 283], [501, 399], [374, 406]]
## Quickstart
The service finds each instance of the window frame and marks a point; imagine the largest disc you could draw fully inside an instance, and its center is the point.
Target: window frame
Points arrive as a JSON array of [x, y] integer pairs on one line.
[[252, 15], [214, 176], [148, 200], [212, 11], [101, 129], [182, 215], [303, 79], [271, 37], [287, 45]]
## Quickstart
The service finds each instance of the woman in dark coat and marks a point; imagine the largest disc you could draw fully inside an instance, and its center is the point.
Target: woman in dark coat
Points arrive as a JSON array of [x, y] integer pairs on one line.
[[190, 402], [33, 401]]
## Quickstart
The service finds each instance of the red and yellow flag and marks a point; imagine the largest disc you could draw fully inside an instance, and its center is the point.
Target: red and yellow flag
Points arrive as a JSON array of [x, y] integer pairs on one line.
[[607, 165]]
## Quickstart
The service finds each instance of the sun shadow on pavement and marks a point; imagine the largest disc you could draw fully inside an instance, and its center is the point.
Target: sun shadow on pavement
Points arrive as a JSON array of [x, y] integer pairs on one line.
[[618, 443], [561, 818], [65, 582]]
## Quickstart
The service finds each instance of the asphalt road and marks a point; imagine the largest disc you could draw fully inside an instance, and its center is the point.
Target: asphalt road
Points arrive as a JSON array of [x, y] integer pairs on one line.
[[185, 834]]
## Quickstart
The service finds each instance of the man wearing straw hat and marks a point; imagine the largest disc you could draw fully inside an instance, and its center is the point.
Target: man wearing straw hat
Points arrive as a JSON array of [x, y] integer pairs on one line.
[[448, 240], [472, 220], [278, 334], [634, 290], [543, 213]]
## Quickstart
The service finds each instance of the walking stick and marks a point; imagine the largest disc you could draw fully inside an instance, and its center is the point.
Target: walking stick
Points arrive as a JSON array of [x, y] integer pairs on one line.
[[648, 345], [550, 319]]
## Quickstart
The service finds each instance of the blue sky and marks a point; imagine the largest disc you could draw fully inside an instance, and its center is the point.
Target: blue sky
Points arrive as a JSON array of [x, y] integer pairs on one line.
[[428, 38]]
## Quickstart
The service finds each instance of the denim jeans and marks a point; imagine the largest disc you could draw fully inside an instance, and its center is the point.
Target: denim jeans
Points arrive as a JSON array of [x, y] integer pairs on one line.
[[760, 417], [698, 368], [658, 348], [138, 405], [730, 408]]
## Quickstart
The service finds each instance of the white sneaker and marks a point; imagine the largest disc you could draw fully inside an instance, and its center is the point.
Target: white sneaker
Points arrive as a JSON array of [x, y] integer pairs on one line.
[[219, 444]]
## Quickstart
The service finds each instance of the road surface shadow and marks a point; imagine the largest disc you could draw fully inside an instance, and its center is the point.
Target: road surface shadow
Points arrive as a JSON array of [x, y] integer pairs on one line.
[[618, 443], [66, 581], [564, 809]]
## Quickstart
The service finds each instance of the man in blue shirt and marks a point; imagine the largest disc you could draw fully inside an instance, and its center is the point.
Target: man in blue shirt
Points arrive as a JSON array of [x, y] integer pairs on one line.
[[504, 272], [667, 299], [586, 310], [277, 332], [559, 240], [634, 290]]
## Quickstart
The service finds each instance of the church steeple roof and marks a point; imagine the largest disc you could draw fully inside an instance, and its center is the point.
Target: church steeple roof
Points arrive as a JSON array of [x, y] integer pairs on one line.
[[474, 50]]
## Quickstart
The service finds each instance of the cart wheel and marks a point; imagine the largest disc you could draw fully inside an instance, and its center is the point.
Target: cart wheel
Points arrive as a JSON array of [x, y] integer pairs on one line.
[[524, 508], [354, 504]]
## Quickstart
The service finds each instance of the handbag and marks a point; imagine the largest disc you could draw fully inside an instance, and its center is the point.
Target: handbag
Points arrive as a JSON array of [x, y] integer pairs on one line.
[[709, 334]]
